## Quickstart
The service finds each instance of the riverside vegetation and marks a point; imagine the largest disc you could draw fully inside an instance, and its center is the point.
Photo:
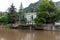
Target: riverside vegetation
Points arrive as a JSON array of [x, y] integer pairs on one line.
[[46, 13]]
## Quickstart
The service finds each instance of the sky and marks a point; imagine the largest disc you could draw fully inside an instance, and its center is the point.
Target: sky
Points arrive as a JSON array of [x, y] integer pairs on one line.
[[5, 4]]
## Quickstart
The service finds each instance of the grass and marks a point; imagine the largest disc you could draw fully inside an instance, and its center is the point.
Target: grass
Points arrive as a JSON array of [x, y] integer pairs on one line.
[[57, 27]]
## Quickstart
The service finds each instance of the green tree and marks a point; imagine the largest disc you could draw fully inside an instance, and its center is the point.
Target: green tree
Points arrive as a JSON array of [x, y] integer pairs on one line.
[[45, 12], [57, 14], [4, 18], [12, 14], [22, 18]]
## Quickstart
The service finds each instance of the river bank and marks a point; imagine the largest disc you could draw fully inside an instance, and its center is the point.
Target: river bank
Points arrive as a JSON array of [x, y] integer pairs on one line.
[[47, 27]]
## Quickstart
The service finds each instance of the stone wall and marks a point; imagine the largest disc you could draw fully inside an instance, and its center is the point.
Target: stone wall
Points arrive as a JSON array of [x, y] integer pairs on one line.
[[49, 27]]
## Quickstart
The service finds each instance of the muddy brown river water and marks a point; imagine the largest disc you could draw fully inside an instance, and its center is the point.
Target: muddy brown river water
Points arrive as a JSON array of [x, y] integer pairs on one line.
[[13, 34]]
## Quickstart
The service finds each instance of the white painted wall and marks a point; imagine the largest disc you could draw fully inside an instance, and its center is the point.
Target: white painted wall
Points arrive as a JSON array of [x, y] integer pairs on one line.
[[57, 23], [29, 15]]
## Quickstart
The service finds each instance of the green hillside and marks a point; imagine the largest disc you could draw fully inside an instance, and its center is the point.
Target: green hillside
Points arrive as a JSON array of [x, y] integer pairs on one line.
[[34, 6]]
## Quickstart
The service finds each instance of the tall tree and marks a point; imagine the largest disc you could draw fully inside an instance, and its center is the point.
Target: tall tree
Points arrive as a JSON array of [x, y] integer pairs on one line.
[[12, 14], [57, 15], [45, 12], [22, 18]]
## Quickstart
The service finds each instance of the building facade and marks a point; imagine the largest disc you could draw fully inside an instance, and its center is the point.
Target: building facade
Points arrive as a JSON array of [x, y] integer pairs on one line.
[[30, 17]]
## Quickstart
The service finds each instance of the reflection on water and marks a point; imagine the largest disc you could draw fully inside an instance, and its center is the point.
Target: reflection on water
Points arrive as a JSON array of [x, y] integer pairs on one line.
[[12, 34]]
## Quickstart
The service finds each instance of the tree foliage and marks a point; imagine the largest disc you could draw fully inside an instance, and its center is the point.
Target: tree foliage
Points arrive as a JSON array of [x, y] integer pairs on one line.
[[22, 18], [45, 12], [57, 15], [12, 14], [4, 18]]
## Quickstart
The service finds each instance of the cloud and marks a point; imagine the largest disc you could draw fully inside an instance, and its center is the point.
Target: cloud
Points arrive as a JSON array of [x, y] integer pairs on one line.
[[4, 4]]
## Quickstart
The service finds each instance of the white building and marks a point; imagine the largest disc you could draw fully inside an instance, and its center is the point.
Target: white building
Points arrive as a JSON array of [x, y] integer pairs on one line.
[[29, 17], [57, 23]]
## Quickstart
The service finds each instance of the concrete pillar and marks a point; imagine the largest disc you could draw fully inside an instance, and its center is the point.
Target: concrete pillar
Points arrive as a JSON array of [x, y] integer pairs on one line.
[[53, 28]]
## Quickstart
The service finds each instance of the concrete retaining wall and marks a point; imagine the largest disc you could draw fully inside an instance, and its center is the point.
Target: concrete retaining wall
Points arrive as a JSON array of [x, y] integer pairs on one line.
[[49, 27]]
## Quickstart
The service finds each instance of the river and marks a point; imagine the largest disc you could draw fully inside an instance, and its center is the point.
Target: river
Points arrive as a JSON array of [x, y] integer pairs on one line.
[[14, 34]]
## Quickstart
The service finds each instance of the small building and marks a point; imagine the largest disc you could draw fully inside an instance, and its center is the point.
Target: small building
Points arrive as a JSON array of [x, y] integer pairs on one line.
[[30, 17], [57, 23]]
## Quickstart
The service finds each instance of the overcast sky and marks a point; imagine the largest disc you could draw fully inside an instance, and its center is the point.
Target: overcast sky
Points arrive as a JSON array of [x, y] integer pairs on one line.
[[4, 4]]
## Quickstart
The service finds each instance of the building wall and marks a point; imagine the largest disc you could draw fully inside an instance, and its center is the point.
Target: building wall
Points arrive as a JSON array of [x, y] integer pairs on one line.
[[49, 27], [29, 16]]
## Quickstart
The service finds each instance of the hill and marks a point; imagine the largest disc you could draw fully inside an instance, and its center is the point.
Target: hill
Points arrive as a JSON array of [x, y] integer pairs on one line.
[[34, 6]]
